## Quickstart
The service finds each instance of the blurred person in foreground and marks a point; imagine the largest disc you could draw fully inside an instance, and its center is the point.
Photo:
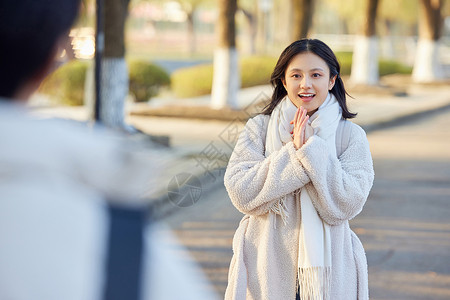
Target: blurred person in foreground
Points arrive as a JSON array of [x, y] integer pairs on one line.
[[71, 226]]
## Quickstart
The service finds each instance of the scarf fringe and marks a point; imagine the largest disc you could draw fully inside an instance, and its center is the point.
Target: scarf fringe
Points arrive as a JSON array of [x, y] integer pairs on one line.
[[279, 208], [314, 283]]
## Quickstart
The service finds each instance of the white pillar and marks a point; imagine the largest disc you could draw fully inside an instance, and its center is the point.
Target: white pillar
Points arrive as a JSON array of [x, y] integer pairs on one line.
[[427, 67], [114, 90], [226, 78], [365, 61], [388, 48]]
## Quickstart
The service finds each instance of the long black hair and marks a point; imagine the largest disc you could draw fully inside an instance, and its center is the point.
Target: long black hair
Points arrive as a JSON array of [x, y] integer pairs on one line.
[[323, 51]]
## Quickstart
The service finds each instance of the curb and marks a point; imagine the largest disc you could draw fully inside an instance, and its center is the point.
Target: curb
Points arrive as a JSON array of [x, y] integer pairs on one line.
[[192, 112], [403, 119]]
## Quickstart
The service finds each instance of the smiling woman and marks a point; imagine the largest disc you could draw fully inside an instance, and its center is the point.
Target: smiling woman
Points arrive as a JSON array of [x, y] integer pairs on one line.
[[308, 87], [314, 58], [299, 172]]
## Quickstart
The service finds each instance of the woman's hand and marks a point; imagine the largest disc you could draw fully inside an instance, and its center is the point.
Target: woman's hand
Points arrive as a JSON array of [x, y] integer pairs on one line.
[[300, 121]]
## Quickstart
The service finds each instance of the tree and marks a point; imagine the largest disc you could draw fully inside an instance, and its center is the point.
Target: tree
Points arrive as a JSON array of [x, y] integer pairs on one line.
[[302, 12], [426, 66], [248, 9], [190, 7], [365, 54], [282, 23], [398, 18], [350, 11], [226, 79], [252, 25], [114, 71]]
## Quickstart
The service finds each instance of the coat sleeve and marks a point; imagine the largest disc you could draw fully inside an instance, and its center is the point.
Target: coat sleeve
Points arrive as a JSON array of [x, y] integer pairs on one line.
[[340, 187], [255, 182]]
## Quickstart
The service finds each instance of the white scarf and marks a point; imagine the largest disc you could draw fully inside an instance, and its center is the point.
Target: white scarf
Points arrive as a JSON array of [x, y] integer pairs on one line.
[[314, 256]]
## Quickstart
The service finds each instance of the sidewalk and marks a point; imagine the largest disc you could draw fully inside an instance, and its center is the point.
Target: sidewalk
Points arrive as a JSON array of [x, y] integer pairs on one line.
[[201, 146]]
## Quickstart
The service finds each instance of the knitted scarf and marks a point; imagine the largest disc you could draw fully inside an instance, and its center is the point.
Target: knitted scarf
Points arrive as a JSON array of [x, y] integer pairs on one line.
[[314, 256]]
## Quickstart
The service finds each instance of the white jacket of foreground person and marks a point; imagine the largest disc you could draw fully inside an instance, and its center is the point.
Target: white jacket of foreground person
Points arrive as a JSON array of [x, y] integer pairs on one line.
[[265, 251], [58, 182]]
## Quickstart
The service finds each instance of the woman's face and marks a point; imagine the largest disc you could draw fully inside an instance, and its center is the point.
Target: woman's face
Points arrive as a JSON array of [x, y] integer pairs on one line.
[[307, 81]]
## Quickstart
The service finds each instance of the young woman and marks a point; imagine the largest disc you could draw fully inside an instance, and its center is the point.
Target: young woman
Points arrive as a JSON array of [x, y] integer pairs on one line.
[[299, 172]]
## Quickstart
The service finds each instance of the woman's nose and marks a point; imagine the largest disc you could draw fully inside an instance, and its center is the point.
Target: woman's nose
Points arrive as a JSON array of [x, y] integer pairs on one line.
[[305, 82]]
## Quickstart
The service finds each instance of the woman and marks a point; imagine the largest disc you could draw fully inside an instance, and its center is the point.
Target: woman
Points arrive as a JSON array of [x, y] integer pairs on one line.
[[299, 172]]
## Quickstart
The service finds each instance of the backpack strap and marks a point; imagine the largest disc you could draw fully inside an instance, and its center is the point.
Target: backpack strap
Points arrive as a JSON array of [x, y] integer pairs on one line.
[[343, 136], [125, 253]]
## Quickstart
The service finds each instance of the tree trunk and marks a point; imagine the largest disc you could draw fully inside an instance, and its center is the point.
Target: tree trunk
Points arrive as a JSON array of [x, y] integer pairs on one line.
[[427, 67], [191, 31], [345, 27], [283, 18], [114, 77], [226, 78], [388, 41], [430, 21], [365, 54], [302, 11], [252, 30], [371, 17], [261, 31]]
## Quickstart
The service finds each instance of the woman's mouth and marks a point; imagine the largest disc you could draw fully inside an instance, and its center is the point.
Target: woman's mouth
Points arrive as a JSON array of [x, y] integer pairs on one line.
[[306, 97]]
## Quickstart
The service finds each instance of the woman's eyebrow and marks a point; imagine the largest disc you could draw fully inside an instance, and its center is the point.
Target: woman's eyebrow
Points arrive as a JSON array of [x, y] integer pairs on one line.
[[300, 70]]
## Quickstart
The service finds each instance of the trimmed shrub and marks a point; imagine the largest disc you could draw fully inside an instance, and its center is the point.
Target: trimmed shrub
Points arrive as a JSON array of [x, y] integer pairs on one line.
[[146, 79], [66, 84], [197, 80], [385, 67], [192, 81], [256, 70], [345, 60]]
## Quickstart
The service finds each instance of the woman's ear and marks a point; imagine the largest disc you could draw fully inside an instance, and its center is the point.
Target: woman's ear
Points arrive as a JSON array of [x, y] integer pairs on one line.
[[332, 82], [284, 83]]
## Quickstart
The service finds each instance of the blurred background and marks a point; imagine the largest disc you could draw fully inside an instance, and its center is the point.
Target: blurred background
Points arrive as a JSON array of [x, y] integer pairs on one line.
[[191, 72], [169, 45]]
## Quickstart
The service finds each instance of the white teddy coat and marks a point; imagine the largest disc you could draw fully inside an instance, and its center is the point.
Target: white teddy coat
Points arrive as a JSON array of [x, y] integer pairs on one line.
[[264, 263]]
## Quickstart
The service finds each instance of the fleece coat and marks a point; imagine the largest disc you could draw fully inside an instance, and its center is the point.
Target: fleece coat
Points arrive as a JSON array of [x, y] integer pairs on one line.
[[265, 250]]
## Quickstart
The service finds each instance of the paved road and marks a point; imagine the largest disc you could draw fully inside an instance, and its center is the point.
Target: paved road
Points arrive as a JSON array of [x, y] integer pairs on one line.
[[405, 225]]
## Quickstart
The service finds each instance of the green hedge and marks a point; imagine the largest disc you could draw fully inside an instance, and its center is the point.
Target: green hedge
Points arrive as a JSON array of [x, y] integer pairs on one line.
[[385, 67], [146, 79], [345, 60], [256, 70], [66, 84], [192, 81], [197, 80]]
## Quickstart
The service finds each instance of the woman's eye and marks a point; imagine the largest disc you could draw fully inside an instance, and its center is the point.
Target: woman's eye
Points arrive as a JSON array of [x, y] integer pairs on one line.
[[316, 75], [296, 76]]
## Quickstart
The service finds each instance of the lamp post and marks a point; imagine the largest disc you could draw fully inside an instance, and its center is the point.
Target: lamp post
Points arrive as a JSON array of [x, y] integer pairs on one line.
[[99, 47]]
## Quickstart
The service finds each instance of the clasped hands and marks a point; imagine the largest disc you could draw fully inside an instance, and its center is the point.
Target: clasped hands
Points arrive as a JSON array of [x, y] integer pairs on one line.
[[300, 132]]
